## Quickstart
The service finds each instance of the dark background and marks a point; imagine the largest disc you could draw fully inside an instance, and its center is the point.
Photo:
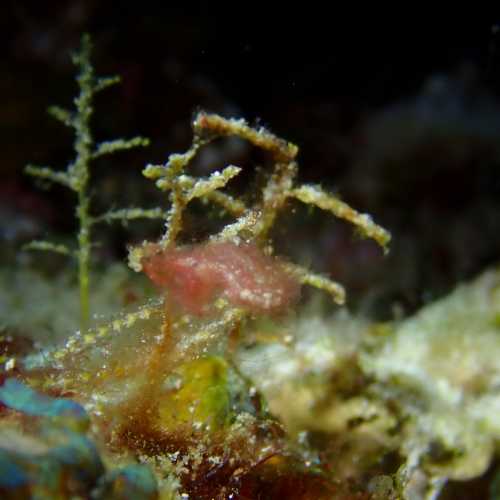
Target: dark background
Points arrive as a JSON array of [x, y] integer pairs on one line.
[[398, 116]]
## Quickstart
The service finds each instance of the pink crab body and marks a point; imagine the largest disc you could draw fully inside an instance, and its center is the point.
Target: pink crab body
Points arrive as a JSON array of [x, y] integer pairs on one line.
[[196, 276]]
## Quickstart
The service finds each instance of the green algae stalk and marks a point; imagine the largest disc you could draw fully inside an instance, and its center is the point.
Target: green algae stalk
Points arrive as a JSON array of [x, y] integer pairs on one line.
[[77, 174]]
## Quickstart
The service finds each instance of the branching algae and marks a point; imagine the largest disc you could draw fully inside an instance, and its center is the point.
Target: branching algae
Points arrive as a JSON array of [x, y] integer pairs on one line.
[[77, 174]]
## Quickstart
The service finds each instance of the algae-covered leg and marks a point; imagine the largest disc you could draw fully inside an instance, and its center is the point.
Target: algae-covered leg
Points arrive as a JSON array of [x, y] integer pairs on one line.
[[209, 125], [306, 277], [315, 195]]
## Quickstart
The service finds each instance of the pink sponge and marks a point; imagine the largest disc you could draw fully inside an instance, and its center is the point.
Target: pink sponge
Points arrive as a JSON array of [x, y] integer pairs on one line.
[[196, 276]]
